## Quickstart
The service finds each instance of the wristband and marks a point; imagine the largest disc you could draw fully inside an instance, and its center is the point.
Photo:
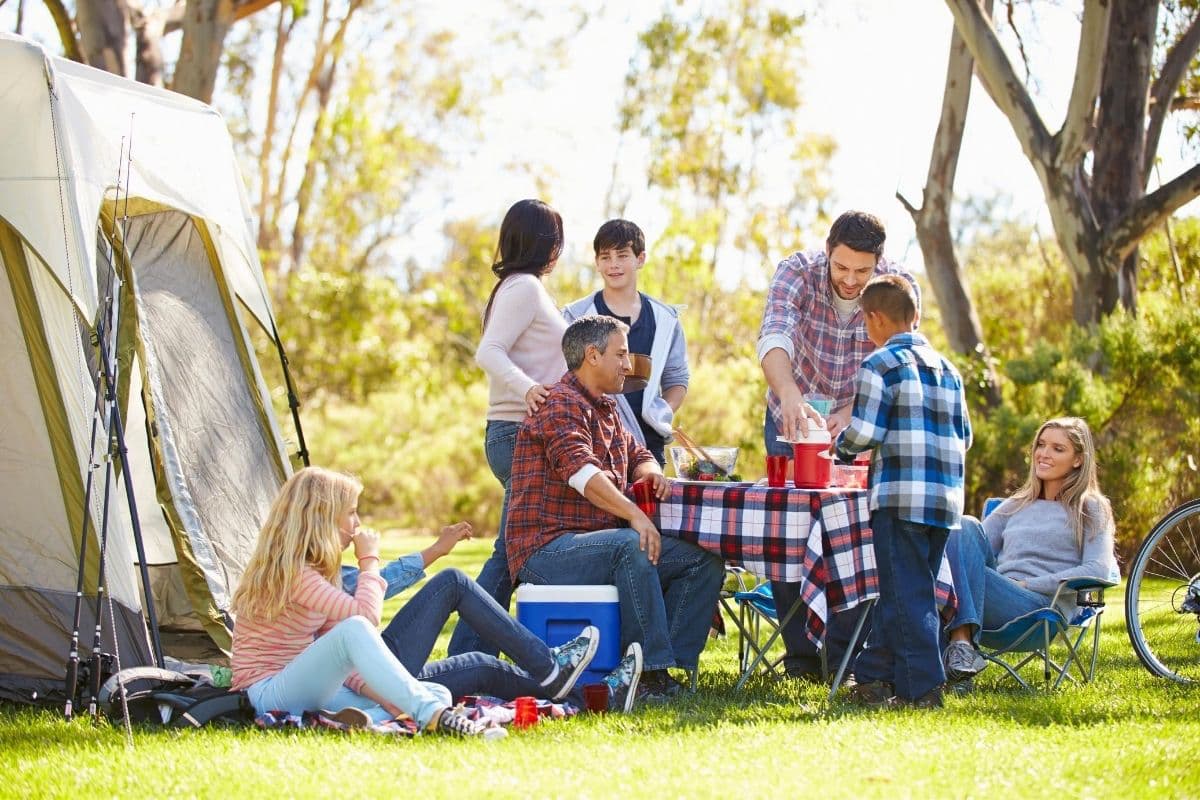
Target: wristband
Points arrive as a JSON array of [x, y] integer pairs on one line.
[[368, 558]]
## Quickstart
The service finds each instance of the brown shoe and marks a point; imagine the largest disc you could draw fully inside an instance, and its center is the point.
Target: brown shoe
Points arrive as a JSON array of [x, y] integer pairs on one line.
[[874, 694], [931, 699]]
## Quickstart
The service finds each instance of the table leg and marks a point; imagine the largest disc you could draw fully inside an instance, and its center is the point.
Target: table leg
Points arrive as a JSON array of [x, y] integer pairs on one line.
[[862, 618]]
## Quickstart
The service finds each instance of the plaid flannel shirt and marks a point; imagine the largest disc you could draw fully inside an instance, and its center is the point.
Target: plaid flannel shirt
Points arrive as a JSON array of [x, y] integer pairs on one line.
[[801, 319], [572, 429], [911, 410]]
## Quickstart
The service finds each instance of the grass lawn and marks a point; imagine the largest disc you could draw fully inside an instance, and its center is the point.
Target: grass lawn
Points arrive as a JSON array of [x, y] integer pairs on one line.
[[1125, 735]]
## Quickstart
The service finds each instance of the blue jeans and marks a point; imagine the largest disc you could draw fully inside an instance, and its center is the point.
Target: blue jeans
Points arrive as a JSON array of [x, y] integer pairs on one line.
[[313, 680], [774, 447], [413, 632], [500, 438], [903, 647], [666, 608], [986, 598]]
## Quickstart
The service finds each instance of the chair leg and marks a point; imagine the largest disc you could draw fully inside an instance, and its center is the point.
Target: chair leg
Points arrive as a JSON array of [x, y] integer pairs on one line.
[[841, 671]]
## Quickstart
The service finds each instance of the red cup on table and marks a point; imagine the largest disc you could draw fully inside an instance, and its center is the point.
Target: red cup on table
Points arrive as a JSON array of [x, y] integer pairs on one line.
[[777, 471], [525, 713], [595, 697], [643, 495]]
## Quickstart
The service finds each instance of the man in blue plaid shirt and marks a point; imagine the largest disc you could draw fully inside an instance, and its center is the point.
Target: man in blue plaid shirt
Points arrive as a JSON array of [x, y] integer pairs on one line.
[[911, 411]]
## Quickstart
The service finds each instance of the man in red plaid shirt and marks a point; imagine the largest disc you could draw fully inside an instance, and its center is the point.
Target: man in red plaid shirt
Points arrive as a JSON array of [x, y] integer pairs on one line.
[[570, 522], [812, 341]]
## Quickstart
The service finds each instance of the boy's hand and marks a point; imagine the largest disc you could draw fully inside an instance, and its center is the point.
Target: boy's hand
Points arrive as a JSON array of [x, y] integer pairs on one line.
[[452, 535], [838, 421]]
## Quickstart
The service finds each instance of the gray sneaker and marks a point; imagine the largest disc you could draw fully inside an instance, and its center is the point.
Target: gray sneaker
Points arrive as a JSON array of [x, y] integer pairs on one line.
[[962, 661], [622, 682], [572, 659], [452, 722]]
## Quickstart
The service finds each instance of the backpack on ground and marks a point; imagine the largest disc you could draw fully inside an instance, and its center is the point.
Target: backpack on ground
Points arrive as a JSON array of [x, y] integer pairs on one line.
[[171, 698]]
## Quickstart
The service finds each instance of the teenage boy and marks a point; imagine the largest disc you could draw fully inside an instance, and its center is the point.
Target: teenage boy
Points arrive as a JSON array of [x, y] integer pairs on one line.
[[654, 330], [910, 409]]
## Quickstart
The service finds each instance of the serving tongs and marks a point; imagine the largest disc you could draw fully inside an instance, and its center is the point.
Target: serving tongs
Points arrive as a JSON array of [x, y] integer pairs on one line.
[[697, 452]]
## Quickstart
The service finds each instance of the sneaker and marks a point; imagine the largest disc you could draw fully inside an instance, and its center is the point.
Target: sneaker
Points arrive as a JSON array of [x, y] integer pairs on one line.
[[962, 661], [873, 694], [453, 722], [931, 699], [351, 717], [623, 681], [963, 686], [657, 686], [572, 659]]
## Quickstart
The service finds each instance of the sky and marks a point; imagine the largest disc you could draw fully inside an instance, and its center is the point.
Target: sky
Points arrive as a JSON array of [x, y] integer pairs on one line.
[[873, 82]]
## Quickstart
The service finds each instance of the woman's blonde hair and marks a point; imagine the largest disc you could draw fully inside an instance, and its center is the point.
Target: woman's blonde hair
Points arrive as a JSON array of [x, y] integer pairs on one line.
[[301, 530], [1086, 505]]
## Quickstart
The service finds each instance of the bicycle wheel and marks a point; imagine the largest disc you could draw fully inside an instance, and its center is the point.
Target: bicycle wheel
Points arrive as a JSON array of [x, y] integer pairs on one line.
[[1162, 597]]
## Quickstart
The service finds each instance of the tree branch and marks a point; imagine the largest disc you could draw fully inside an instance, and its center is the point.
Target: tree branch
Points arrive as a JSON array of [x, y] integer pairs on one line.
[[1001, 81], [1164, 86], [1123, 234], [66, 30], [244, 8], [1089, 68]]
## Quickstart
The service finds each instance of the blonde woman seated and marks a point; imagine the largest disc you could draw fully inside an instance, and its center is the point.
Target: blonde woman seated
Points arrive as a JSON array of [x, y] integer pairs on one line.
[[1057, 526]]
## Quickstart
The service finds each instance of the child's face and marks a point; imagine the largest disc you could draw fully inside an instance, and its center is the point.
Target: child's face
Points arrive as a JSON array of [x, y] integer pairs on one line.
[[618, 266], [348, 524]]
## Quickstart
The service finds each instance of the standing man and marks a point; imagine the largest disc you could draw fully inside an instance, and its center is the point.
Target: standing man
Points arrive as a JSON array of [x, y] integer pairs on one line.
[[812, 341]]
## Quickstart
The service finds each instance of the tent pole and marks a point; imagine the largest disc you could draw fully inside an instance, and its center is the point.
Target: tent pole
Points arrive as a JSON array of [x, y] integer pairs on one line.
[[293, 400]]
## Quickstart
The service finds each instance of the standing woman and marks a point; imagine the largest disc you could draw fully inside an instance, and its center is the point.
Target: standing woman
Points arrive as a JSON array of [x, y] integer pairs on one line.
[[1057, 526], [521, 352]]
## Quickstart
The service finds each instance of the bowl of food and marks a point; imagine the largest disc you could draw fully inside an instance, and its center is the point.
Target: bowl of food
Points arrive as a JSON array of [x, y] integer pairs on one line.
[[849, 476], [720, 465]]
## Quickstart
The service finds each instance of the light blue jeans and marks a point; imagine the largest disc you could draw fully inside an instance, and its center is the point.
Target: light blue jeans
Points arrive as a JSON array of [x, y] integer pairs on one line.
[[314, 679], [666, 608], [500, 439], [985, 597]]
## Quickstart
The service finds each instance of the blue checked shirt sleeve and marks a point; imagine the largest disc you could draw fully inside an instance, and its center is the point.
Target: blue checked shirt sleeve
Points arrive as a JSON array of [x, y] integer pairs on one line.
[[869, 424]]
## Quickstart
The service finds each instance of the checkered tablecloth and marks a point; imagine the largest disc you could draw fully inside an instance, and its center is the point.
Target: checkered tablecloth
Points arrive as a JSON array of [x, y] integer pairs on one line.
[[820, 539]]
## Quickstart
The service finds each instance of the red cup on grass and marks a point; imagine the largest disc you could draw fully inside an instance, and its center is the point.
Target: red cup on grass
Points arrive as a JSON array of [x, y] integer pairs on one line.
[[595, 697], [525, 712], [643, 495], [777, 471]]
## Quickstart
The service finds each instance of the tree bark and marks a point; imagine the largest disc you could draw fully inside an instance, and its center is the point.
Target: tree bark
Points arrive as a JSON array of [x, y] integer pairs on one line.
[[205, 24], [104, 34], [932, 220], [149, 27]]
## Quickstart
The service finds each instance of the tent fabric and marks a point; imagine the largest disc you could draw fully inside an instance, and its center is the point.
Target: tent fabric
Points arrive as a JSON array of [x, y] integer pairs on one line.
[[169, 266]]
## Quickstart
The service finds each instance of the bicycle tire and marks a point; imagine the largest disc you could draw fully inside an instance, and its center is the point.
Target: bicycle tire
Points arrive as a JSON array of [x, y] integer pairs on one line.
[[1162, 596]]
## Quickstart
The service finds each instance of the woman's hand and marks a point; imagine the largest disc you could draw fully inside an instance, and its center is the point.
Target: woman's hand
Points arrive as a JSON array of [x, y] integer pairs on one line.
[[366, 544], [450, 536], [536, 395]]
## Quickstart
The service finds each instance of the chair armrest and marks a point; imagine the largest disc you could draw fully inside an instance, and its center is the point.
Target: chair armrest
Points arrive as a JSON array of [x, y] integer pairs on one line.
[[1087, 582]]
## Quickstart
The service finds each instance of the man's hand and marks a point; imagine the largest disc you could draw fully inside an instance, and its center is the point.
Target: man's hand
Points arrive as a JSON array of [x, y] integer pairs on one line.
[[838, 421], [536, 395], [798, 416], [662, 486], [649, 539]]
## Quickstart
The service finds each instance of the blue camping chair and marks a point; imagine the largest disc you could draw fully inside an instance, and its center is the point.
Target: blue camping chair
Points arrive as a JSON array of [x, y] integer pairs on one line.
[[1030, 637], [752, 608]]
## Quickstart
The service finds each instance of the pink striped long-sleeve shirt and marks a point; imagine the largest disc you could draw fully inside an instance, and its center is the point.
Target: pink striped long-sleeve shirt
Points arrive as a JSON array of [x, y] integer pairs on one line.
[[262, 648]]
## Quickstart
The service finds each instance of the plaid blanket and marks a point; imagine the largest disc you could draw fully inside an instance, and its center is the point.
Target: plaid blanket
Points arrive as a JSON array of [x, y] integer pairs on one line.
[[820, 539]]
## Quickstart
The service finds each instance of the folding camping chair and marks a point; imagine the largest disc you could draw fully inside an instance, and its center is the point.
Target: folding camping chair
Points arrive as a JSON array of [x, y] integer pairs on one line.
[[1031, 636], [752, 609]]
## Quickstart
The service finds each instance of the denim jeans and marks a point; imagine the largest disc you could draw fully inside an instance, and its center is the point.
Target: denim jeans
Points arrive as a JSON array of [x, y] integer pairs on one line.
[[800, 654], [903, 647], [313, 680], [500, 438], [413, 632], [666, 608], [774, 447], [985, 597]]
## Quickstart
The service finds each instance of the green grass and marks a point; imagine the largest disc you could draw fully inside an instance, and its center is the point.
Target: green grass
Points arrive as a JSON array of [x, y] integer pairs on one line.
[[1125, 735]]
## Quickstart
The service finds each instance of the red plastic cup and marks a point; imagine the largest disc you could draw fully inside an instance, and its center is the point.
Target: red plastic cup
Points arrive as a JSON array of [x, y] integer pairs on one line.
[[643, 495], [526, 713], [595, 697], [777, 471]]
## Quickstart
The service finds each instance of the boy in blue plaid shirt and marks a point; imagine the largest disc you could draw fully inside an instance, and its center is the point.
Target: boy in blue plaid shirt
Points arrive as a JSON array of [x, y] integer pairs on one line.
[[910, 409]]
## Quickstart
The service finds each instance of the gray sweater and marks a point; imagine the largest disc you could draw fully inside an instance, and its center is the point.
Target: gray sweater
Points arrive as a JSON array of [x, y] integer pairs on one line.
[[1037, 545]]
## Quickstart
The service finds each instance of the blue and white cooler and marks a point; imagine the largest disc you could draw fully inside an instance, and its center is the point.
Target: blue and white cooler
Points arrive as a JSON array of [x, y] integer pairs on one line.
[[556, 614]]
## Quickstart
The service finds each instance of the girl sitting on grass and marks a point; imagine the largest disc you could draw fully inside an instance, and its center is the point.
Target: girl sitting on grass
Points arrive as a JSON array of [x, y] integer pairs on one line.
[[300, 643], [1057, 526]]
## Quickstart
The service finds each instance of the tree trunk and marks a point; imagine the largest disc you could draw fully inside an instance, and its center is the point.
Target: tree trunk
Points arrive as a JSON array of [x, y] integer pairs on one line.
[[149, 27], [1120, 145], [205, 24], [104, 34], [932, 220]]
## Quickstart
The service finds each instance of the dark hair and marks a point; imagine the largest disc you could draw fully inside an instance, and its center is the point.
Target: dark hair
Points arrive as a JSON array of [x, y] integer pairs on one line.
[[592, 329], [858, 230], [618, 233], [890, 295], [531, 237]]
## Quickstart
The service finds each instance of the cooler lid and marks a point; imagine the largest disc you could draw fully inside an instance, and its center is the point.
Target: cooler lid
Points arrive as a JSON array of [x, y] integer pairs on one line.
[[578, 593]]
